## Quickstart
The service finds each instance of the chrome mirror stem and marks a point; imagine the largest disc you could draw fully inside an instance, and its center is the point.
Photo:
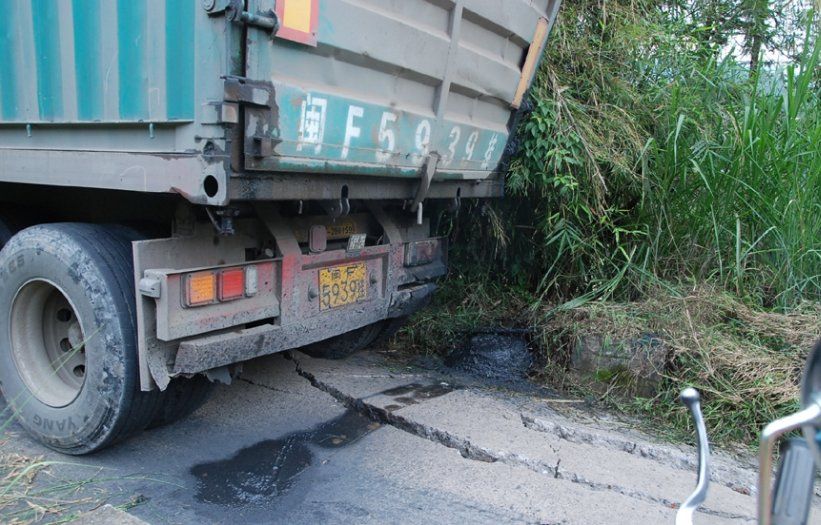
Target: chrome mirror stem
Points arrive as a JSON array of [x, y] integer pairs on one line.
[[769, 437], [684, 516]]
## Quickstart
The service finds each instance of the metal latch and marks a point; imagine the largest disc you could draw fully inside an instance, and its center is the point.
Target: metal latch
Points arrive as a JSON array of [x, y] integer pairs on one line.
[[267, 20], [424, 185], [233, 11]]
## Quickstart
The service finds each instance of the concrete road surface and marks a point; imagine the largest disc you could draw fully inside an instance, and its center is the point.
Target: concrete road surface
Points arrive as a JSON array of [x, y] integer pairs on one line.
[[372, 440]]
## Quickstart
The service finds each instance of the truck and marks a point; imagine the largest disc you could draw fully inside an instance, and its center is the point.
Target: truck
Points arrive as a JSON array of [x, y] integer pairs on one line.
[[186, 186]]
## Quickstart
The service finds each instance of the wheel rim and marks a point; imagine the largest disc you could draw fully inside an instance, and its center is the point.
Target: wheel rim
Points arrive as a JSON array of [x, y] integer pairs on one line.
[[47, 343]]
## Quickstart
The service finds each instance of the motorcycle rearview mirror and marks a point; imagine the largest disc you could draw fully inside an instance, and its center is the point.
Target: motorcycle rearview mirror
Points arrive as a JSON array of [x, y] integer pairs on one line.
[[796, 473], [811, 395], [692, 400]]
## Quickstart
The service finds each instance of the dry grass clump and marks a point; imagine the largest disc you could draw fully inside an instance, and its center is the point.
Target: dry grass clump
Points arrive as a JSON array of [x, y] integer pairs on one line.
[[746, 363], [36, 490], [21, 500]]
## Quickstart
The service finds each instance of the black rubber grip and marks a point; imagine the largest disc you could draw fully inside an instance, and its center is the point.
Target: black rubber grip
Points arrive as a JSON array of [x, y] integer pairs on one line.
[[794, 481]]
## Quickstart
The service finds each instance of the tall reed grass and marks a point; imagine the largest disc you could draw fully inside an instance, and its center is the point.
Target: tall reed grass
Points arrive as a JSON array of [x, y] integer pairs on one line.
[[734, 184], [642, 162]]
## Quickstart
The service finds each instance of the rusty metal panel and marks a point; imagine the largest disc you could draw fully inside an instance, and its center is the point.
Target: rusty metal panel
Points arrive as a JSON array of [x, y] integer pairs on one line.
[[336, 228], [213, 350], [185, 174], [198, 250], [391, 82]]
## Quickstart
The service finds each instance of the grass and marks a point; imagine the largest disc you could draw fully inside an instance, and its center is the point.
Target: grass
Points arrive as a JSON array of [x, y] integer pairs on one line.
[[642, 161], [659, 188], [30, 494], [735, 193], [37, 490], [746, 362], [462, 306]]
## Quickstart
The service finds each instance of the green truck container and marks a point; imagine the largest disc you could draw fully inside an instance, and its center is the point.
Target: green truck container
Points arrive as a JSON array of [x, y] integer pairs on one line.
[[188, 185]]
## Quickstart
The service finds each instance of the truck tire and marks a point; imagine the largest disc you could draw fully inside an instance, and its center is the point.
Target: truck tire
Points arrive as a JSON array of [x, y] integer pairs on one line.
[[182, 397], [344, 345], [389, 329], [69, 292], [7, 230]]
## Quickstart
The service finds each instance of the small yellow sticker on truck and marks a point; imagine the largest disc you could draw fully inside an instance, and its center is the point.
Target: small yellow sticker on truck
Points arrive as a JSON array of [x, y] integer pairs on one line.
[[299, 20]]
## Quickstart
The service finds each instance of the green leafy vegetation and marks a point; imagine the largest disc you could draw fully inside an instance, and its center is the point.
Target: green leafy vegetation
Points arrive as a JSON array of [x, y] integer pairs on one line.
[[642, 158], [668, 147]]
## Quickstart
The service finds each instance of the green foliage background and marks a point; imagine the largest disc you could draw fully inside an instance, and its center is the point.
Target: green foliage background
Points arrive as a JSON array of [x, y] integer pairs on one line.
[[652, 153]]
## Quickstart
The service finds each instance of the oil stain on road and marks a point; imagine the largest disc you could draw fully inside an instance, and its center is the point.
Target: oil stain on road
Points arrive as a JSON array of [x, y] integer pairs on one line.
[[267, 469], [414, 393]]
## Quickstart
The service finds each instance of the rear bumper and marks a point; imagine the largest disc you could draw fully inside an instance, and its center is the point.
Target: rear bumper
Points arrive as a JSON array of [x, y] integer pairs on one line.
[[396, 289], [205, 353], [296, 186]]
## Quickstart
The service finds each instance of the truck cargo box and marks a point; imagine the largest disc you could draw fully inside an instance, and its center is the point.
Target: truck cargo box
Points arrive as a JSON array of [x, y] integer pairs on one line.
[[225, 100]]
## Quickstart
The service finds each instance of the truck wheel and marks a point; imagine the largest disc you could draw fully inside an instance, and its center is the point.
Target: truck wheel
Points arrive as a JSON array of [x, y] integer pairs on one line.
[[389, 329], [182, 397], [68, 342], [341, 346]]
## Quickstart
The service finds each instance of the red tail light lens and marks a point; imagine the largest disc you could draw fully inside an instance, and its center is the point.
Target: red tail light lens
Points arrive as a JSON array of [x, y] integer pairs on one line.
[[232, 284]]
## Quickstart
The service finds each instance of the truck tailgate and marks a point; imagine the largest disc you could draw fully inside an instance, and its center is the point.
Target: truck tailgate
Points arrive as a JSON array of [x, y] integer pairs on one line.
[[375, 87]]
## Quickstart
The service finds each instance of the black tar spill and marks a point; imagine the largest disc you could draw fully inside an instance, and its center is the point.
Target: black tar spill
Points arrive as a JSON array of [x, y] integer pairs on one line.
[[257, 473], [260, 472]]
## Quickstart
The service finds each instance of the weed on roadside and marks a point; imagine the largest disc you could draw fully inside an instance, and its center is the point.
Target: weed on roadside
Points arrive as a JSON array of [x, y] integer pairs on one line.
[[746, 362]]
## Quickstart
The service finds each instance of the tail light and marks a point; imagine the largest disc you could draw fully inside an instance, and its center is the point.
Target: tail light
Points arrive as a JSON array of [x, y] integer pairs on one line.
[[422, 252], [200, 288], [212, 286]]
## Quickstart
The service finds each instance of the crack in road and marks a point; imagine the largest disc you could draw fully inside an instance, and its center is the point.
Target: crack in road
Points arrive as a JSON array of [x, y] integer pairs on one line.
[[254, 383], [719, 473], [471, 451]]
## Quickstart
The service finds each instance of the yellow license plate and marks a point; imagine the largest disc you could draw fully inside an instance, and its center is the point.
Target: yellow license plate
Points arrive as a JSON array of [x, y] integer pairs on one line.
[[341, 285]]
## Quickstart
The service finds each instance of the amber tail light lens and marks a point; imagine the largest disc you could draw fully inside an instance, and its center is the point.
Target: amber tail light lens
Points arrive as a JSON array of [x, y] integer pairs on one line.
[[200, 288]]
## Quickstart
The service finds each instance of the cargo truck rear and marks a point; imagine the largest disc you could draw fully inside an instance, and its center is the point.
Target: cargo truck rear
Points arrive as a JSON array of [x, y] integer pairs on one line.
[[189, 185]]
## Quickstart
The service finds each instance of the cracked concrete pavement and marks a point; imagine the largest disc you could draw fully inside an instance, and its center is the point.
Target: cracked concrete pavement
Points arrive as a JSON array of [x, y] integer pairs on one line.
[[370, 440]]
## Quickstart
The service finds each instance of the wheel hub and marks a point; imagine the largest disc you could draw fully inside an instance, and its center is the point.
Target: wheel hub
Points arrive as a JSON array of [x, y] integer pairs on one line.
[[47, 343]]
